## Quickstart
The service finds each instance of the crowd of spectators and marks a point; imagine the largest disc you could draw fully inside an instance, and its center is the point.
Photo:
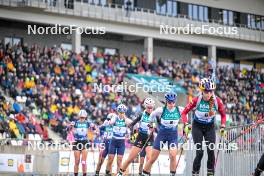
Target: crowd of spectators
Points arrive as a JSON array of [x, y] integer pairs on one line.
[[19, 124], [56, 83]]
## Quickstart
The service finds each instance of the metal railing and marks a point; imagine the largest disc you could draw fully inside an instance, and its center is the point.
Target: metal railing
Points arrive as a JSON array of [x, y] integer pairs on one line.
[[233, 161], [138, 16]]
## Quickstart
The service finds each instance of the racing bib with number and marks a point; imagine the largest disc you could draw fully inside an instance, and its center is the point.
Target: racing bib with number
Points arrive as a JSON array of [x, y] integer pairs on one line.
[[119, 128]]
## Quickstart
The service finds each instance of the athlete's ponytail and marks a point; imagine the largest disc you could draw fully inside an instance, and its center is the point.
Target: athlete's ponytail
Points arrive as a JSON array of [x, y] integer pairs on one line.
[[211, 105]]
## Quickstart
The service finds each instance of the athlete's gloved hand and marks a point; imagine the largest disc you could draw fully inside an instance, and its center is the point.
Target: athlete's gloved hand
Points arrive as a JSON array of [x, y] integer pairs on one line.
[[133, 137], [187, 128], [151, 128], [222, 131], [106, 123], [151, 125]]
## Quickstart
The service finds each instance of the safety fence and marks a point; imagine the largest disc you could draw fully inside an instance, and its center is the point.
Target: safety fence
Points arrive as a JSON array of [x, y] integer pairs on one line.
[[240, 151]]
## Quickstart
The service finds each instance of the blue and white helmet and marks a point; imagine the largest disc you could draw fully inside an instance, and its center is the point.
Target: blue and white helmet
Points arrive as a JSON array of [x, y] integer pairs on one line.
[[82, 113], [170, 97], [121, 108], [207, 84]]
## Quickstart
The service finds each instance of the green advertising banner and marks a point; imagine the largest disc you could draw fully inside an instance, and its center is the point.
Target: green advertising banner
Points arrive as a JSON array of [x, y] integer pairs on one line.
[[156, 83]]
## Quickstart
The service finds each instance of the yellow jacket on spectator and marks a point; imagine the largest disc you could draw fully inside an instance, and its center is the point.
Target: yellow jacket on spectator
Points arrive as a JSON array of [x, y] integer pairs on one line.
[[65, 55], [69, 110], [112, 96], [53, 108], [32, 83], [71, 70], [247, 106], [76, 109], [88, 68], [244, 72], [57, 70], [6, 106], [89, 79], [10, 66], [13, 128], [29, 83], [134, 60]]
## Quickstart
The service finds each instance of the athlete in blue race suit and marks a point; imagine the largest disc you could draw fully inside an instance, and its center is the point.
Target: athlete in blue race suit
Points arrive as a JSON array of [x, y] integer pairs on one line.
[[117, 145], [144, 137], [167, 119], [81, 142], [107, 131]]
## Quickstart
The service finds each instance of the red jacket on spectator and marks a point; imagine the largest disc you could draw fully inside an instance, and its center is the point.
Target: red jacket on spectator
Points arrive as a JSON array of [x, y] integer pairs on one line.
[[45, 134]]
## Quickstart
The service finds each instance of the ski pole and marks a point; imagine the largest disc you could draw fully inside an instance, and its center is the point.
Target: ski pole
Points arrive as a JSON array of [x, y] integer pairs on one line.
[[185, 140], [150, 136]]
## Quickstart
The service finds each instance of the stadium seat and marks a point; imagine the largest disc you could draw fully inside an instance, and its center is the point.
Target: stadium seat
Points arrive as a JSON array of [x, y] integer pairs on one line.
[[31, 137], [13, 142], [4, 135], [20, 142], [37, 137]]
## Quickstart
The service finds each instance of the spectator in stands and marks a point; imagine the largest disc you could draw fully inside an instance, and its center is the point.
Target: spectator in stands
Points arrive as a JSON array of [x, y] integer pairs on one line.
[[3, 129], [13, 127], [128, 8], [30, 128], [45, 136]]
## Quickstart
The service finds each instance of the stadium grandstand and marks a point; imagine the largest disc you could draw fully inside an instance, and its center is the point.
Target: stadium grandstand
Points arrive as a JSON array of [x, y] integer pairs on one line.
[[55, 55]]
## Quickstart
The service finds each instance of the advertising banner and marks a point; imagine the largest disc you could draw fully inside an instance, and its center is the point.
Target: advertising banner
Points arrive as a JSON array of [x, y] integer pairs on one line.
[[18, 163]]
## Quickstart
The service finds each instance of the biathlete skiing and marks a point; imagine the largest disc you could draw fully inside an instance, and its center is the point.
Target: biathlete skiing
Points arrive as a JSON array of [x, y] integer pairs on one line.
[[120, 125], [81, 143], [107, 131], [167, 119], [205, 107], [144, 137]]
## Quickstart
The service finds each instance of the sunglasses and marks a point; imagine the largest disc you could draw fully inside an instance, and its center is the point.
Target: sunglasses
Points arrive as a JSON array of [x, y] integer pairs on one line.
[[208, 91]]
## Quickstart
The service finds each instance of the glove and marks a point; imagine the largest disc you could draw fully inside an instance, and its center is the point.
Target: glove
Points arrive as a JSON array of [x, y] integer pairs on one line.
[[106, 123], [151, 125], [187, 128], [133, 137], [222, 131]]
